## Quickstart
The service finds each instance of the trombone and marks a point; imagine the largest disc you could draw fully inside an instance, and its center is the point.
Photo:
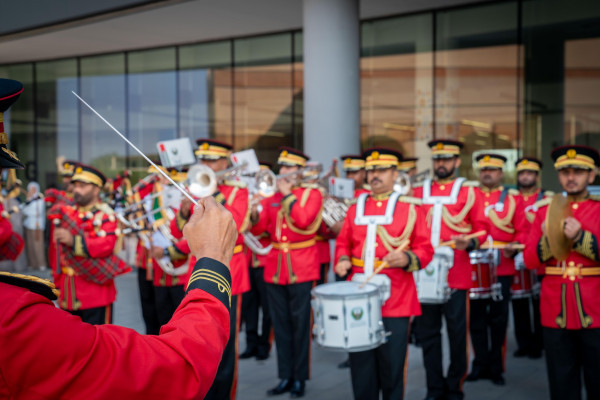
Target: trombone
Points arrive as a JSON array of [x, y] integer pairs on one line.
[[202, 181]]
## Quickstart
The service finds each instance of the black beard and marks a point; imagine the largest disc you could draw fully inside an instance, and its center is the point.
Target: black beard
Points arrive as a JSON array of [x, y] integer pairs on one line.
[[441, 175], [522, 186]]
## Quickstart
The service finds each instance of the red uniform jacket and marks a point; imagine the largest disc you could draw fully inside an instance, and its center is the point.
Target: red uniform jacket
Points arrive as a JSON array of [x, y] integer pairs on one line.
[[55, 198], [529, 201], [459, 218], [408, 223], [292, 223], [235, 198], [569, 299], [504, 226], [50, 354], [11, 244], [76, 292]]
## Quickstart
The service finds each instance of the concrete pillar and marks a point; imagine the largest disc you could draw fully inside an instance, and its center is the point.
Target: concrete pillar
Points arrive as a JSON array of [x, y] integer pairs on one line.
[[331, 79]]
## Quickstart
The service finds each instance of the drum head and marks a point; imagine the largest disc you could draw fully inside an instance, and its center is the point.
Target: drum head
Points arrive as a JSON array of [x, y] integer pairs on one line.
[[344, 289]]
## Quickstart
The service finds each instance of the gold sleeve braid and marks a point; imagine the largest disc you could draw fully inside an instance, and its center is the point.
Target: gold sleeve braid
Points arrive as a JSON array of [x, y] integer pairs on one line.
[[543, 249], [414, 264], [175, 254], [391, 242], [453, 221], [285, 212], [180, 221], [79, 247], [504, 223], [587, 246]]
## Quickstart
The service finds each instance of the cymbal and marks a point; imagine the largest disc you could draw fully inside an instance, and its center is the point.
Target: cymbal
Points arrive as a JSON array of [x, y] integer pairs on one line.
[[558, 211]]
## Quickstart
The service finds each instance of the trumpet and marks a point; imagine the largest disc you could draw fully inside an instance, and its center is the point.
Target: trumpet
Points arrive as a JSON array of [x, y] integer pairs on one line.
[[308, 173], [202, 181]]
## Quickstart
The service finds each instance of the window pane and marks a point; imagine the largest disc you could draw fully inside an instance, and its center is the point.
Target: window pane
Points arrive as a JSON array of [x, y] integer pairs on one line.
[[57, 115], [205, 93], [477, 77], [19, 121], [396, 85], [263, 94], [103, 86], [298, 88], [151, 102]]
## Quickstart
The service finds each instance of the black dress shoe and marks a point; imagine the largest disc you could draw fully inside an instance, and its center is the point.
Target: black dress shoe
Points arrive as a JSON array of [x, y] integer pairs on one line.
[[477, 374], [248, 353], [297, 390], [520, 353], [498, 380], [284, 386], [344, 364], [262, 356]]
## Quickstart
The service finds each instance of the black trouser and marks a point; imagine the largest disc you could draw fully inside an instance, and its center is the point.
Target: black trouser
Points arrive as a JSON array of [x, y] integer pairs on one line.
[[493, 315], [95, 316], [167, 299], [429, 335], [324, 268], [252, 301], [382, 369], [225, 384], [528, 333], [569, 353], [291, 312], [537, 342], [149, 312]]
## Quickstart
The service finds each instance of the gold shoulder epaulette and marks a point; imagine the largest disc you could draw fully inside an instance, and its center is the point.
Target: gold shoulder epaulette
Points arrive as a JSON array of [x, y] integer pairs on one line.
[[595, 197], [410, 200], [548, 193], [543, 202], [513, 192], [471, 183], [239, 184], [351, 201], [309, 185], [37, 285], [105, 208]]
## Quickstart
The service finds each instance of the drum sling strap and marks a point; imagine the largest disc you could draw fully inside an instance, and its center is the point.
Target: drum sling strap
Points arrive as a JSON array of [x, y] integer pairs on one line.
[[438, 204]]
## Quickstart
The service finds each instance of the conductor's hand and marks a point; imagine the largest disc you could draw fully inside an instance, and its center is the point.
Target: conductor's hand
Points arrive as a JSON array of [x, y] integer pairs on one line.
[[211, 231], [342, 267]]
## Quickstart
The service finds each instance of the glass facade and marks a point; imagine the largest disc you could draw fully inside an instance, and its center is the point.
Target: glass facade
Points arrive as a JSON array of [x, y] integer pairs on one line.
[[518, 77]]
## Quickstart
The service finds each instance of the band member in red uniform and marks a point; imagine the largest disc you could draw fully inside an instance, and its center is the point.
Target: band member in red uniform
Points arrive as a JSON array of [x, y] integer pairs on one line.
[[11, 244], [528, 333], [47, 353], [291, 218], [449, 203], [382, 369], [86, 238], [569, 301], [408, 166], [257, 345], [234, 196], [503, 213]]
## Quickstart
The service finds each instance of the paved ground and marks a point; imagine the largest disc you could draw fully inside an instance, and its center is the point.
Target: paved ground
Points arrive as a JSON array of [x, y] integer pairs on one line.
[[525, 378]]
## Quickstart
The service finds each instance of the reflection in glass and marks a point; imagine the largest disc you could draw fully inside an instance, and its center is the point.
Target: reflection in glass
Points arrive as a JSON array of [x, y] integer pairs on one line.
[[57, 116], [263, 94], [205, 93], [476, 81], [151, 102], [103, 83], [396, 85]]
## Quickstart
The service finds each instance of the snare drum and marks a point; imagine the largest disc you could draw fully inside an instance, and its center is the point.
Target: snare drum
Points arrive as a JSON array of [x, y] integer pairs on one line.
[[347, 317], [484, 281], [432, 282], [524, 284]]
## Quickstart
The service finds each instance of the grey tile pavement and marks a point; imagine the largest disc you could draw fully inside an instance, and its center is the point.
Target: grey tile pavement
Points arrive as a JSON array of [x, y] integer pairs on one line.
[[525, 378]]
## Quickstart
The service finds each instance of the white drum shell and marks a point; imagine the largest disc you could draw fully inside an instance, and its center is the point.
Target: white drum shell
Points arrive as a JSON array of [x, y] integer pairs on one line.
[[432, 281], [347, 317]]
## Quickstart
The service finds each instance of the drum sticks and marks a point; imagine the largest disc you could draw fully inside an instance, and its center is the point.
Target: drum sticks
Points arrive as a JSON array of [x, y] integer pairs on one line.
[[468, 237], [384, 264]]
